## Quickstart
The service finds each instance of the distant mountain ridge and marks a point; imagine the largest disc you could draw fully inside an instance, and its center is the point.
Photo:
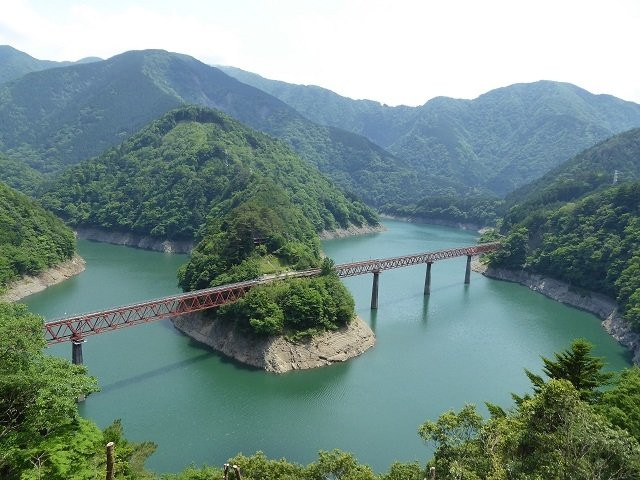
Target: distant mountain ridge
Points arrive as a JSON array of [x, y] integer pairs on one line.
[[498, 141], [62, 116], [14, 63], [423, 157]]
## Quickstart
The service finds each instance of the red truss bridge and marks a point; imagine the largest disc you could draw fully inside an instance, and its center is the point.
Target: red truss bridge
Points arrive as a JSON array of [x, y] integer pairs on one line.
[[77, 327]]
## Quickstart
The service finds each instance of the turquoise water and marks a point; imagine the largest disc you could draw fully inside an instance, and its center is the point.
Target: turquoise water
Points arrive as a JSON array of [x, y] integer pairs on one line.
[[462, 344]]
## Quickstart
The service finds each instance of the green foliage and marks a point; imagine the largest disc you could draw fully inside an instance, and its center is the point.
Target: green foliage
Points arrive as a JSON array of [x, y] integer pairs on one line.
[[459, 446], [591, 244], [577, 366], [37, 393], [31, 239], [41, 433], [553, 434], [589, 171], [513, 253], [257, 222], [469, 208], [304, 305], [63, 116], [621, 404], [165, 181]]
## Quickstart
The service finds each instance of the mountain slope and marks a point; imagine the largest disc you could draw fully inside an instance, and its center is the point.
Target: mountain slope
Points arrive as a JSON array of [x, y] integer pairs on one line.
[[191, 164], [64, 115], [379, 123], [31, 239], [587, 172], [498, 142]]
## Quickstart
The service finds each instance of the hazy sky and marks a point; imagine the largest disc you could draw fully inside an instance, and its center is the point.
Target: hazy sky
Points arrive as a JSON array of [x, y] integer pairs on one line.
[[395, 51]]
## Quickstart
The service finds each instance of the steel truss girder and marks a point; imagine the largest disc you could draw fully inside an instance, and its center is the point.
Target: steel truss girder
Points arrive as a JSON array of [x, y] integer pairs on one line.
[[80, 326]]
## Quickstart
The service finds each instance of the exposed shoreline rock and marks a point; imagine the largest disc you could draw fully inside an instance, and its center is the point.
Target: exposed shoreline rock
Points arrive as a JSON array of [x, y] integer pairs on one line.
[[603, 307], [353, 230], [277, 354], [29, 285], [438, 221], [185, 246], [134, 240]]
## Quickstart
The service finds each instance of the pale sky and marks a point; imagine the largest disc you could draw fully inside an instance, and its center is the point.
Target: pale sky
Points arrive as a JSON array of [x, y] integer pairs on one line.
[[394, 51]]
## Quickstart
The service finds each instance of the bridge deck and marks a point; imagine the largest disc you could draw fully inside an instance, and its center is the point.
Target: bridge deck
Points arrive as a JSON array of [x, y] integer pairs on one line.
[[80, 326]]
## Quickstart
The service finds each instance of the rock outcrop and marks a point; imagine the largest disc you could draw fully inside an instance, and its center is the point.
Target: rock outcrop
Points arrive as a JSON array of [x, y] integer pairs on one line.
[[600, 305], [133, 240], [278, 354], [29, 285], [351, 231]]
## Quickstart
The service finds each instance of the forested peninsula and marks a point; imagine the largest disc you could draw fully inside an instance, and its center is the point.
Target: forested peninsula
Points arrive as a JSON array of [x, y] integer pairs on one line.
[[32, 242]]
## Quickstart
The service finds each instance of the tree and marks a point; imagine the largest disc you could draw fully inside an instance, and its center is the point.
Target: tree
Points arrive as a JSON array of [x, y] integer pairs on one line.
[[459, 444], [578, 366], [513, 253], [37, 392], [621, 404]]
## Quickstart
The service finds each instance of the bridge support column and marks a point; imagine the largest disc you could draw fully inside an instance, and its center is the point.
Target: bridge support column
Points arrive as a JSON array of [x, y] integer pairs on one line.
[[427, 279], [76, 351], [467, 273], [374, 290], [76, 358]]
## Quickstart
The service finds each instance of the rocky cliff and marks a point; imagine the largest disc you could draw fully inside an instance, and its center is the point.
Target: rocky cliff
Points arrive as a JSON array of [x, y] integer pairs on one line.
[[28, 285], [278, 354]]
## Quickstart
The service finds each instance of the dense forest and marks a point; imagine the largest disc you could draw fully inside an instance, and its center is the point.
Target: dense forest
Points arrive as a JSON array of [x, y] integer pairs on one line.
[[593, 243], [567, 427], [474, 208], [166, 179], [62, 116], [31, 239]]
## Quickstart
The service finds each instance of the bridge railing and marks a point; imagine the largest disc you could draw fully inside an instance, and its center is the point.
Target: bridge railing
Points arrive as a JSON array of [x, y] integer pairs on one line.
[[378, 265]]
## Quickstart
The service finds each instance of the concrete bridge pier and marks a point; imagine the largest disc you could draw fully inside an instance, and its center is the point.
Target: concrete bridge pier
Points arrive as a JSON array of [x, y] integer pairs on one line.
[[427, 279], [76, 351], [467, 273], [374, 290], [76, 358]]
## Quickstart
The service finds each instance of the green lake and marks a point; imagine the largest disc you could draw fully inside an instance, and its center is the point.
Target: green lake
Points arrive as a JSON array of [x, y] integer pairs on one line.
[[462, 344]]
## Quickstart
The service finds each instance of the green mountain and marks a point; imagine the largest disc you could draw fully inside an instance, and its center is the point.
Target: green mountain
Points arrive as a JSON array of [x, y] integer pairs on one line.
[[14, 63], [31, 239], [63, 116], [193, 163], [587, 172], [497, 142]]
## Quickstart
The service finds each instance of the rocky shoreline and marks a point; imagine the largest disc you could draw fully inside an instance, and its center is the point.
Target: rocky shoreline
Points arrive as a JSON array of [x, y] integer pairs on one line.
[[185, 246], [351, 231], [600, 305], [134, 240], [437, 221], [278, 354], [29, 285]]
